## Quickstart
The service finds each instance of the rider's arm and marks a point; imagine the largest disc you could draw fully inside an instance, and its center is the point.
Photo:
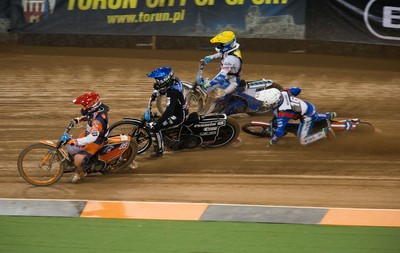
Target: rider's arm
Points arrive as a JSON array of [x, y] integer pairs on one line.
[[294, 91], [219, 78], [280, 130], [281, 120], [209, 58], [172, 103], [94, 133], [154, 95]]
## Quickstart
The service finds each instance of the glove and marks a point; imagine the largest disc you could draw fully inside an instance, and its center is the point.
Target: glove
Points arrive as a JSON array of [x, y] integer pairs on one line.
[[152, 125], [65, 137], [204, 61], [206, 85], [75, 121], [154, 95], [72, 142], [147, 115]]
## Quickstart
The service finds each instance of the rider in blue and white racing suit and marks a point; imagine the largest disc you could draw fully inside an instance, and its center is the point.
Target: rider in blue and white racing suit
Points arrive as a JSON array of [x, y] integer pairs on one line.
[[288, 107], [228, 78]]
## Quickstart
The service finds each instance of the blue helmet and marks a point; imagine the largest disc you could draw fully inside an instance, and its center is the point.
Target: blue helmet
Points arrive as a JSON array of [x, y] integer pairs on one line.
[[163, 76]]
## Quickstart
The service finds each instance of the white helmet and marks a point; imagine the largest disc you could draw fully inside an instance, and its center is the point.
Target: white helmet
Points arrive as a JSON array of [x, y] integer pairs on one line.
[[271, 97]]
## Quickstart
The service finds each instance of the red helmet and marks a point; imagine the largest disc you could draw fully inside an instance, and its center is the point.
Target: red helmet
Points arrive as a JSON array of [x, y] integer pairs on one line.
[[88, 100]]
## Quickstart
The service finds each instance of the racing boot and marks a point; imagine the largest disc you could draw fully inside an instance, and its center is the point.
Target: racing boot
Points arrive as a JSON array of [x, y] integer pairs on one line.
[[78, 176], [331, 115], [329, 133], [156, 153]]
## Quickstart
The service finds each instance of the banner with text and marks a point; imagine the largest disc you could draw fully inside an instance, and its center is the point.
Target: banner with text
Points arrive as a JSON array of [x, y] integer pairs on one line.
[[284, 19], [364, 21]]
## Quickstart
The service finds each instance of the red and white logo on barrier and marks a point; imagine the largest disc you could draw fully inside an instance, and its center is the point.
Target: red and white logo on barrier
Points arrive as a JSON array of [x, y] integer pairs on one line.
[[36, 10]]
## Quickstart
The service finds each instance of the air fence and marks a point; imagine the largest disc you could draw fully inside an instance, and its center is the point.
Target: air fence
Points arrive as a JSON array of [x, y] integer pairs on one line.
[[349, 27]]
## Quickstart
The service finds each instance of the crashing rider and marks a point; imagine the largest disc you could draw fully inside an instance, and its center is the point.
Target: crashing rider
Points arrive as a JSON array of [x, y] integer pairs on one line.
[[288, 107]]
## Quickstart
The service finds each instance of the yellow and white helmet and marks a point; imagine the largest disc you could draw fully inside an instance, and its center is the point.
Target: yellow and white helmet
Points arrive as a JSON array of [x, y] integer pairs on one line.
[[226, 42]]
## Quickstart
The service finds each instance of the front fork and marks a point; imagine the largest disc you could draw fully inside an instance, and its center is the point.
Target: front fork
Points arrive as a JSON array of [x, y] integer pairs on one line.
[[47, 159], [50, 155]]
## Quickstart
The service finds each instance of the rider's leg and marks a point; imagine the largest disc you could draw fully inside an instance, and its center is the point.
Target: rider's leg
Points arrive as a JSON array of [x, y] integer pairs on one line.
[[233, 107], [304, 132], [81, 160], [328, 115], [158, 144], [157, 136], [218, 97], [79, 172], [230, 88]]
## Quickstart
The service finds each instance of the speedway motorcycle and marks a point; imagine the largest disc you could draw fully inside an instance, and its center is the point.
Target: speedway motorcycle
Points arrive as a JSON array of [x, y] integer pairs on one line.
[[241, 101], [210, 131], [339, 127], [44, 163]]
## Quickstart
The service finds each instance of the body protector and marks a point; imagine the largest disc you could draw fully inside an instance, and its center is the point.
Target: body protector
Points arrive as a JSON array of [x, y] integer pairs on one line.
[[231, 62], [95, 135], [96, 129], [175, 113]]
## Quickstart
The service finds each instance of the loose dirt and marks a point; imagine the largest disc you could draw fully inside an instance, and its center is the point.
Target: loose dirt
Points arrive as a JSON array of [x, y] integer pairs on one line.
[[38, 85]]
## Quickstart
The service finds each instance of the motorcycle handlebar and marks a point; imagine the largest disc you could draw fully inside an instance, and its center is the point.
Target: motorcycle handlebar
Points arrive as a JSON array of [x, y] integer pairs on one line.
[[70, 126], [199, 77]]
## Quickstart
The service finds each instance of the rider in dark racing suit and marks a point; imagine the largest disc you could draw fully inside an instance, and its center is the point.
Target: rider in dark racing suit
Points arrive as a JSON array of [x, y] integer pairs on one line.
[[176, 109]]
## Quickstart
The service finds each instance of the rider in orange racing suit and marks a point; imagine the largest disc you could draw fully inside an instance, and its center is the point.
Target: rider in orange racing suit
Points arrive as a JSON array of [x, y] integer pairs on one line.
[[89, 142]]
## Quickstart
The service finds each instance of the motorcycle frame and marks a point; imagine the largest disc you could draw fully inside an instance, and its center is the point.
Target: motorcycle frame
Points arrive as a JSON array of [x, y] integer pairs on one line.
[[336, 125], [102, 158], [205, 120], [58, 147]]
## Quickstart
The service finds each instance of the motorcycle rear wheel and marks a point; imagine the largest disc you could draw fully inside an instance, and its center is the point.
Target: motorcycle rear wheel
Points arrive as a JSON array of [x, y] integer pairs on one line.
[[227, 134], [33, 165], [125, 160], [133, 129]]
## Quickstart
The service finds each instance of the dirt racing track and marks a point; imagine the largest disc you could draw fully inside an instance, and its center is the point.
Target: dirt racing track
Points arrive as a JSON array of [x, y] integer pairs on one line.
[[38, 84]]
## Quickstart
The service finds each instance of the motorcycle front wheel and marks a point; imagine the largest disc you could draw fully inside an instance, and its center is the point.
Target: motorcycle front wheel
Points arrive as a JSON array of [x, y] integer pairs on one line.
[[193, 99], [256, 129], [133, 129], [40, 164]]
